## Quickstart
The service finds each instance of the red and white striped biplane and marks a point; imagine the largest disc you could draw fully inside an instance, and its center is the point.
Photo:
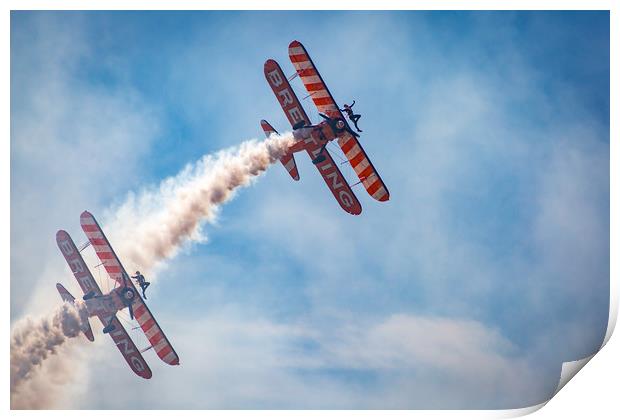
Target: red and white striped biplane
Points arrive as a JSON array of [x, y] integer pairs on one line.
[[314, 138], [106, 306]]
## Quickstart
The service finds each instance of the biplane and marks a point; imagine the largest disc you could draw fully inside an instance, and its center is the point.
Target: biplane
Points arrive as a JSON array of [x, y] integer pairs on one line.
[[107, 306], [314, 138]]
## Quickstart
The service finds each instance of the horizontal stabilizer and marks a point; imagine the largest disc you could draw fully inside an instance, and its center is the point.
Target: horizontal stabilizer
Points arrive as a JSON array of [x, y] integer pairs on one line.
[[288, 160], [68, 297]]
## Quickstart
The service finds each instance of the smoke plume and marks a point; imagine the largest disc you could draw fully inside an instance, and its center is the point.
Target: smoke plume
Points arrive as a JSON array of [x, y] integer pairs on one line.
[[33, 341], [147, 229], [151, 227]]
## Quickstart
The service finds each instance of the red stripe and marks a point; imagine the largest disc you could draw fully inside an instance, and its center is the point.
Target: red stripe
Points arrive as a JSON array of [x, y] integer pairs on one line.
[[105, 255], [323, 101], [98, 241], [156, 338], [365, 173], [148, 324], [312, 87], [298, 58], [90, 228], [374, 187], [357, 159], [307, 72], [348, 145], [163, 352], [139, 311], [113, 268]]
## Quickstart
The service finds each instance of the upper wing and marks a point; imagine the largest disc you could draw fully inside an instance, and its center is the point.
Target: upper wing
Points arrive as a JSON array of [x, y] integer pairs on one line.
[[326, 104], [312, 80], [127, 348], [76, 263], [284, 92], [113, 266]]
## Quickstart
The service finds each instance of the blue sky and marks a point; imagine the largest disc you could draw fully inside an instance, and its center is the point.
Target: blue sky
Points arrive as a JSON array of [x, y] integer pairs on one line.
[[486, 270]]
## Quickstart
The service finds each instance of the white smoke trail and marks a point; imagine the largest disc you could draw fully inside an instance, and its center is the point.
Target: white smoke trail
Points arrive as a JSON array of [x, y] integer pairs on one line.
[[146, 230], [33, 341], [150, 228]]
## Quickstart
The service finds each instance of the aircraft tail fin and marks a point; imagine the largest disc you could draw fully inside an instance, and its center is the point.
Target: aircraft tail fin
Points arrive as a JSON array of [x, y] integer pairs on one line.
[[288, 160], [68, 297]]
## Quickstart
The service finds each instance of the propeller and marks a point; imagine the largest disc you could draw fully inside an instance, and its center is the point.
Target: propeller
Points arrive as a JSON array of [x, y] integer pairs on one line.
[[334, 124], [129, 300]]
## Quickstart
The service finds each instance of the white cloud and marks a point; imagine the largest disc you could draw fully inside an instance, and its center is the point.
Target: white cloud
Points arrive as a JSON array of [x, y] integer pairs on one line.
[[406, 360]]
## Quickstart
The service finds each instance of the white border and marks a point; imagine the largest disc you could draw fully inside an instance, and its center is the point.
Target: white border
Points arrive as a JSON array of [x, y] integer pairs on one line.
[[595, 390]]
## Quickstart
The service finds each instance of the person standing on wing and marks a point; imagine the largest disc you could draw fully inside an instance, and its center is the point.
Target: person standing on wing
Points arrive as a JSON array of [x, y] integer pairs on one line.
[[348, 109], [141, 282]]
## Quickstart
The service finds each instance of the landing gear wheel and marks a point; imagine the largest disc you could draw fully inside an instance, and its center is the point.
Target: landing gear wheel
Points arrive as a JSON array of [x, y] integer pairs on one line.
[[109, 328], [299, 124]]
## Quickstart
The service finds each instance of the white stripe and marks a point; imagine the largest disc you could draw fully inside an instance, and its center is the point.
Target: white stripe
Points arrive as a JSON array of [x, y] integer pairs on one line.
[[102, 248], [169, 357], [361, 166], [290, 165], [296, 51], [355, 150], [311, 79], [380, 192], [303, 65], [96, 234], [370, 179], [161, 344], [152, 331], [145, 317], [320, 94]]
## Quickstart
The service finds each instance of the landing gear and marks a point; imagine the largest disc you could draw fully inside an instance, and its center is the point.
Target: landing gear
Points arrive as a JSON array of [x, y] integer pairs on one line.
[[299, 124], [109, 328], [320, 157]]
